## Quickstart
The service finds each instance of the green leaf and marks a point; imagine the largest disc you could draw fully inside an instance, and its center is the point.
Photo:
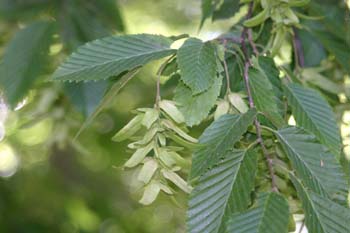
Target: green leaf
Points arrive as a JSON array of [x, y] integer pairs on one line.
[[218, 138], [314, 77], [334, 17], [14, 10], [314, 114], [332, 30], [88, 24], [263, 96], [24, 60], [86, 96], [312, 48], [221, 191], [197, 63], [207, 7], [196, 108], [313, 163], [270, 215], [321, 214], [79, 25], [107, 99], [345, 163], [110, 10], [227, 9], [339, 48], [267, 65], [111, 56], [234, 70]]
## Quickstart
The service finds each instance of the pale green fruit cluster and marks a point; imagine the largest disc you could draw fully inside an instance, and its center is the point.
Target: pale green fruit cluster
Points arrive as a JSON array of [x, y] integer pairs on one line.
[[283, 16], [232, 103], [154, 159]]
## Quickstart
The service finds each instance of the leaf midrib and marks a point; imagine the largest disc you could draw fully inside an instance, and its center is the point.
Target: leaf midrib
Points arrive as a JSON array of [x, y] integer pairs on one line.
[[198, 59], [320, 132], [263, 212], [108, 62], [305, 164], [313, 208], [234, 179], [217, 145], [197, 64]]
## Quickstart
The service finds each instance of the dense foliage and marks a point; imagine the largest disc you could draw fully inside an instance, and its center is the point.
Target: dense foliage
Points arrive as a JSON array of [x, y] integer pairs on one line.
[[253, 169]]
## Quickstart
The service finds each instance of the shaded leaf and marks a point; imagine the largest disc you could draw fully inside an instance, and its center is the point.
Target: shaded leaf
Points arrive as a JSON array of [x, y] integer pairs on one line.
[[15, 9], [207, 7], [312, 48], [86, 96], [339, 48], [263, 96], [270, 215], [221, 191], [110, 10], [218, 138], [345, 163], [321, 214], [267, 65], [107, 99], [24, 60], [227, 9], [334, 17], [313, 163], [314, 114]]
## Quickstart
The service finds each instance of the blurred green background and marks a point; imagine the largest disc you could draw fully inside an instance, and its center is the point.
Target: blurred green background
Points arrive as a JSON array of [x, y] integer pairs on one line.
[[50, 182]]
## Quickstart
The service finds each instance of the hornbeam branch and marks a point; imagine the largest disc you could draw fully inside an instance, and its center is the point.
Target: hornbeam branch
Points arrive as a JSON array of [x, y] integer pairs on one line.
[[298, 50], [244, 37]]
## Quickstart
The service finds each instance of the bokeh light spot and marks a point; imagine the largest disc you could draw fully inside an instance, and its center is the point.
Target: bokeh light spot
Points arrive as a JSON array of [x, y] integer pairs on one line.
[[8, 161], [36, 134]]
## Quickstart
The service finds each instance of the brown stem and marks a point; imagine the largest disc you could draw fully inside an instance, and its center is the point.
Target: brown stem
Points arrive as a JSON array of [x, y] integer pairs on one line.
[[302, 227], [228, 88], [244, 32], [246, 82], [298, 50], [251, 42], [233, 39], [244, 37]]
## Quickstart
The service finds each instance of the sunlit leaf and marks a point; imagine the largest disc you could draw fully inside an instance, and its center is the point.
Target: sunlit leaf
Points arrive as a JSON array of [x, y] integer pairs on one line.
[[197, 63], [196, 108]]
